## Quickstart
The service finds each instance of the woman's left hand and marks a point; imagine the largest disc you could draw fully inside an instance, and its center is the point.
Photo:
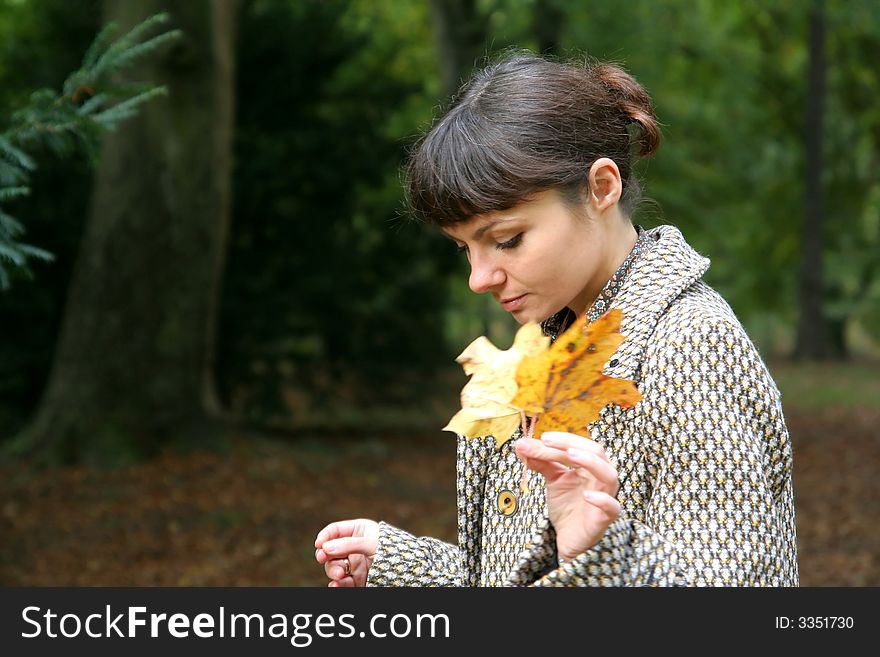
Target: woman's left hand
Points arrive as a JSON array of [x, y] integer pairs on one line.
[[581, 488]]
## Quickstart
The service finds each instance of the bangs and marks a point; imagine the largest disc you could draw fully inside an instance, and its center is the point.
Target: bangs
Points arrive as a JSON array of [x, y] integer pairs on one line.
[[465, 167]]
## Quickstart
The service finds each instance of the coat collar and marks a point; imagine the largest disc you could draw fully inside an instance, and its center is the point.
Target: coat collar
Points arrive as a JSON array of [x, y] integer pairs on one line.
[[656, 279]]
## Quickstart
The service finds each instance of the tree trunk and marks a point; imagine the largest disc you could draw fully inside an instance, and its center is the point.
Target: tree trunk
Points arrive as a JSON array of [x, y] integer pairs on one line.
[[132, 368], [460, 37], [812, 334], [547, 20]]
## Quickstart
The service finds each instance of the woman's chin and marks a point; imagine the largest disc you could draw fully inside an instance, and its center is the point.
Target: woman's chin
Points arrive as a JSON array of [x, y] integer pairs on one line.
[[524, 317]]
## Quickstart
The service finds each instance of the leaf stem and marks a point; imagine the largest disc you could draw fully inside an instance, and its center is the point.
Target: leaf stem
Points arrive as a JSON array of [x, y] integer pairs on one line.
[[530, 433]]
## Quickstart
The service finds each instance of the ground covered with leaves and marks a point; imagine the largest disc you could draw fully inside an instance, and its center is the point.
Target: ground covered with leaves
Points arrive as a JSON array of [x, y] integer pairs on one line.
[[247, 514]]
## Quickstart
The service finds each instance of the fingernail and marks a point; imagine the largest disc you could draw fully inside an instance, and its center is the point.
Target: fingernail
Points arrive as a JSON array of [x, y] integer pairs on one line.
[[591, 496]]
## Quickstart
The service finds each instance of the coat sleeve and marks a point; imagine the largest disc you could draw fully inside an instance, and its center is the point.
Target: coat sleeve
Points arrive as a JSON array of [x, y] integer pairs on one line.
[[403, 559], [719, 509]]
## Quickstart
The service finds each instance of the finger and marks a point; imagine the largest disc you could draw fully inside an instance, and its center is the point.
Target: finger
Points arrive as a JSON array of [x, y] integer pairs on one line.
[[335, 569], [530, 448], [540, 459], [322, 557], [345, 582], [335, 530], [549, 469], [342, 547], [601, 470], [564, 440], [609, 506]]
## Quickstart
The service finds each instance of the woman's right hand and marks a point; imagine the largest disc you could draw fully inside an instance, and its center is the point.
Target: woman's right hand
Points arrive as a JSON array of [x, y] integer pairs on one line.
[[354, 540]]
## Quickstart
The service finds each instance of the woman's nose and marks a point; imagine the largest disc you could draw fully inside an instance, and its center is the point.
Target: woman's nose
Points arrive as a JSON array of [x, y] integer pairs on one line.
[[485, 275]]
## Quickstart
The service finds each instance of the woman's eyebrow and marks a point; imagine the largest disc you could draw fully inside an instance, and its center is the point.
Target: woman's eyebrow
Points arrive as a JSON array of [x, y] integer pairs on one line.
[[479, 232], [482, 229]]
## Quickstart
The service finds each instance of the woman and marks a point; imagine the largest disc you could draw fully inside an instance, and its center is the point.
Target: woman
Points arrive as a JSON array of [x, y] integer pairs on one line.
[[530, 172]]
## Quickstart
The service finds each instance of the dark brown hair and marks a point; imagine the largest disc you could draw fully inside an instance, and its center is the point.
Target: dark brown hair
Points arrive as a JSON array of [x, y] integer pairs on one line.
[[524, 125]]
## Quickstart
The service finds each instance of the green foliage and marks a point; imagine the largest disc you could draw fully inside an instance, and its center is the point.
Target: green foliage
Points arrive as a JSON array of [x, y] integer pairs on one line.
[[327, 290], [853, 165], [92, 101], [729, 83], [330, 298], [41, 42], [15, 166]]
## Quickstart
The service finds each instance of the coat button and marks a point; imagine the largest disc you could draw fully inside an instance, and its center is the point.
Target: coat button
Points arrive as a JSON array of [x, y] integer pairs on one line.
[[613, 362], [507, 503]]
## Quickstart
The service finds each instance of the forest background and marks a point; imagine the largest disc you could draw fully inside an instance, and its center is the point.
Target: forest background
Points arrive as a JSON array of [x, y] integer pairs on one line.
[[242, 337]]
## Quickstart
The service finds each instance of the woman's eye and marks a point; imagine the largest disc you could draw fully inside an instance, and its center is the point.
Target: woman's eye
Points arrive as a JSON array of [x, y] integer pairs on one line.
[[511, 243]]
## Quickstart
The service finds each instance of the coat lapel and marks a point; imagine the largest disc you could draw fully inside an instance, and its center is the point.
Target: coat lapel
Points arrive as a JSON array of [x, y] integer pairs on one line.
[[659, 276]]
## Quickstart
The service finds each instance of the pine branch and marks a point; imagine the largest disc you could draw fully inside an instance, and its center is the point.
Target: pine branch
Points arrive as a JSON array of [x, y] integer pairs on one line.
[[9, 193], [92, 102], [126, 109], [10, 228], [14, 252], [15, 155]]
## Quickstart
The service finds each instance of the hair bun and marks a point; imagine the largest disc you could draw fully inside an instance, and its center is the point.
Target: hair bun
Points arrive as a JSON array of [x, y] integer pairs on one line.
[[633, 101]]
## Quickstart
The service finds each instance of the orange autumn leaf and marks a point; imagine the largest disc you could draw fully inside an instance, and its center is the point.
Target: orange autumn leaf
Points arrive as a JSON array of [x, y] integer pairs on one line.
[[564, 386], [485, 399]]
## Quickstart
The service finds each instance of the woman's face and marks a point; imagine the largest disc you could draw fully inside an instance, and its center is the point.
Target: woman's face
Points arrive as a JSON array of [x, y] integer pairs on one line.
[[539, 256]]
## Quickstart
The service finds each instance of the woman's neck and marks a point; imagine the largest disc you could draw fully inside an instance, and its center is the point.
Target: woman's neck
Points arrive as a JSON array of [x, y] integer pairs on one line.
[[622, 242]]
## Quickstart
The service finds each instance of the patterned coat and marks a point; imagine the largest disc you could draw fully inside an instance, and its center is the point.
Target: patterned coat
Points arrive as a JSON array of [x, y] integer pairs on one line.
[[704, 462]]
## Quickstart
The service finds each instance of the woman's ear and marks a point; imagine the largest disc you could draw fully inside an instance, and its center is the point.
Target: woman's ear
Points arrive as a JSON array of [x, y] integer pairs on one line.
[[606, 186]]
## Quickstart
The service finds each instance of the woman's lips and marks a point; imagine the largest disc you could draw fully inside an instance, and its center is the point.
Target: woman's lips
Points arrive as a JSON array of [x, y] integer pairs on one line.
[[513, 303]]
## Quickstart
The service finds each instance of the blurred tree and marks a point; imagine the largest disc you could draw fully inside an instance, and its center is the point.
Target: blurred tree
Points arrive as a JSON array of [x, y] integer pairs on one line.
[[812, 331], [61, 131], [549, 18], [41, 42], [90, 103], [459, 30], [851, 175], [129, 370], [332, 307]]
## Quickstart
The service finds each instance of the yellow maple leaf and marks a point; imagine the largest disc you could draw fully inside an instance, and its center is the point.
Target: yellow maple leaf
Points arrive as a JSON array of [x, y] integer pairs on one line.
[[486, 408], [564, 386]]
